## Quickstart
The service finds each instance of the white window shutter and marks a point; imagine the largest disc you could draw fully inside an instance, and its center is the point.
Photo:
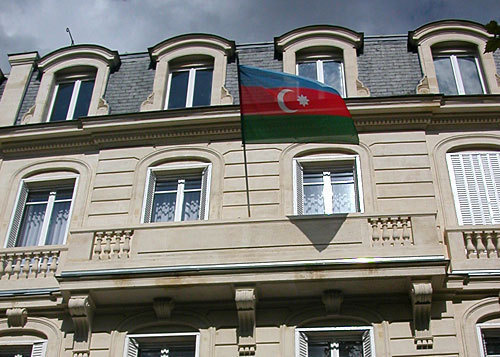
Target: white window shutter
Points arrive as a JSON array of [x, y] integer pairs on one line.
[[302, 347], [205, 192], [132, 348], [150, 188], [367, 345], [299, 188], [17, 216], [39, 349]]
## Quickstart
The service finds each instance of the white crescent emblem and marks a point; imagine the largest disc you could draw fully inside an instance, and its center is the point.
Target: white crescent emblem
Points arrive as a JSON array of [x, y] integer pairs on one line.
[[281, 102]]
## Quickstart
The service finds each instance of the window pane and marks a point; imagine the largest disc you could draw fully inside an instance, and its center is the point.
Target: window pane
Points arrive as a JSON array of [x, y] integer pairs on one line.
[[343, 198], [470, 75], [492, 345], [58, 222], [163, 207], [83, 101], [178, 89], [445, 76], [350, 349], [202, 87], [170, 351], [61, 104], [313, 199], [332, 72], [31, 224], [191, 208], [319, 350], [15, 351], [308, 70]]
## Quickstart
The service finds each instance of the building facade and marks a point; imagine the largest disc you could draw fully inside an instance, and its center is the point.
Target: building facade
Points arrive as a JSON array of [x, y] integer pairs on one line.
[[127, 229]]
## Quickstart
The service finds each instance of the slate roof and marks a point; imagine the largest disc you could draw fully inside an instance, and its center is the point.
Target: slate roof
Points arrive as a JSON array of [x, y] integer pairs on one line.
[[29, 96], [2, 85]]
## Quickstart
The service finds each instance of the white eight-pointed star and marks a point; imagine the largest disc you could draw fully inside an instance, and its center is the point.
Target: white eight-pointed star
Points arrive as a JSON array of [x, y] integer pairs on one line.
[[303, 100]]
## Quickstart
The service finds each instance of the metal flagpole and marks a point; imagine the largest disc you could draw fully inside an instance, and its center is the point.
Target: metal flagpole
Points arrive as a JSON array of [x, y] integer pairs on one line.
[[243, 138]]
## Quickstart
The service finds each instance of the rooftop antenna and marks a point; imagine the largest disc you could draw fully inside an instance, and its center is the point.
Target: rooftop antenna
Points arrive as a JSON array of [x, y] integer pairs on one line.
[[71, 37]]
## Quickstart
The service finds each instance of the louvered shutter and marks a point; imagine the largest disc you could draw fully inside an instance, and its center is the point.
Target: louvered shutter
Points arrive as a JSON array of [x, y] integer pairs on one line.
[[299, 188], [148, 196], [367, 344], [132, 348], [18, 215], [205, 190], [476, 186], [302, 347], [39, 349]]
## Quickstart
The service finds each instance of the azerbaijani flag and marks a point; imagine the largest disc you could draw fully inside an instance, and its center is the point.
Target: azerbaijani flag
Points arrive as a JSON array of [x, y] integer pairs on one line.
[[279, 107]]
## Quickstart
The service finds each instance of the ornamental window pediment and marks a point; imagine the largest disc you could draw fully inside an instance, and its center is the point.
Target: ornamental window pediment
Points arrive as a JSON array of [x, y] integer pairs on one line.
[[452, 58], [190, 72], [324, 53], [73, 82]]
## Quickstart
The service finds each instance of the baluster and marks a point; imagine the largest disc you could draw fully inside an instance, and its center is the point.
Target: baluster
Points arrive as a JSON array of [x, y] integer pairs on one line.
[[9, 267], [126, 244], [54, 257], [481, 249], [469, 246], [35, 265], [406, 230], [107, 245], [98, 245], [17, 267], [117, 244], [490, 247], [385, 232], [497, 237], [396, 236], [44, 267], [3, 262], [375, 231], [26, 263]]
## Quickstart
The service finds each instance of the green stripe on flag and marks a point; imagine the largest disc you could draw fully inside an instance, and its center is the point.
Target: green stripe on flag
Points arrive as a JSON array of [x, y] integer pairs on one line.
[[299, 128]]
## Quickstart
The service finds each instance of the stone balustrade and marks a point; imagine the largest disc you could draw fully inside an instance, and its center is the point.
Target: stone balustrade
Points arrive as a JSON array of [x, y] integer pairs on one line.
[[391, 231], [29, 262], [112, 244], [482, 244]]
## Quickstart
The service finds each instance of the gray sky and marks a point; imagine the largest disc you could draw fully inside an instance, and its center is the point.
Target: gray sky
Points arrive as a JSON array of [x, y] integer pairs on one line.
[[134, 25]]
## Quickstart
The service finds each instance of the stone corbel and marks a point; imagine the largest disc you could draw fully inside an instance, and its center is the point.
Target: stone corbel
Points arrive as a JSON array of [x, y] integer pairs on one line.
[[423, 86], [246, 301], [361, 89], [163, 307], [17, 317], [102, 107], [497, 77], [225, 96], [28, 116], [81, 309], [421, 300], [332, 299], [148, 104]]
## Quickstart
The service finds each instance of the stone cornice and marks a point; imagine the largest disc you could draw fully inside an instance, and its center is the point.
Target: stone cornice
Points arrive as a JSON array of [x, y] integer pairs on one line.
[[418, 112]]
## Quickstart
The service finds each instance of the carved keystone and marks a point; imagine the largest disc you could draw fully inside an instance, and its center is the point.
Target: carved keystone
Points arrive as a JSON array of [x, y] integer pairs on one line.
[[421, 300], [332, 300], [246, 301], [17, 317], [163, 307]]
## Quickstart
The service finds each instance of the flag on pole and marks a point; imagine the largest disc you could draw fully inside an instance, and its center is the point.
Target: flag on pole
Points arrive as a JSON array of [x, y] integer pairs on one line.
[[280, 107]]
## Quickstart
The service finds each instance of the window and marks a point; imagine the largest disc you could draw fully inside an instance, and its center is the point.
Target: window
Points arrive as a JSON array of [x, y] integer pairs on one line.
[[489, 339], [71, 99], [36, 349], [475, 181], [177, 193], [334, 342], [328, 70], [327, 185], [189, 87], [458, 73], [163, 345], [42, 213]]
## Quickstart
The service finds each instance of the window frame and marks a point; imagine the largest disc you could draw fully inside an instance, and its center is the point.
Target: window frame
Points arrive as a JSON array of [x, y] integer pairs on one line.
[[128, 352], [479, 328], [454, 188], [298, 169], [192, 69], [366, 331], [17, 214], [319, 60], [204, 169], [77, 80], [38, 349]]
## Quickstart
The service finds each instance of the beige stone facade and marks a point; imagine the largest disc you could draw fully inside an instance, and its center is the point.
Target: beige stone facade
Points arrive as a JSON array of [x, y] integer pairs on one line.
[[401, 271]]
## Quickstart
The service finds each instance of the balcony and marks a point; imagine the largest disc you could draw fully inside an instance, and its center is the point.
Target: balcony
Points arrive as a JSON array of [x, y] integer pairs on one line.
[[474, 249]]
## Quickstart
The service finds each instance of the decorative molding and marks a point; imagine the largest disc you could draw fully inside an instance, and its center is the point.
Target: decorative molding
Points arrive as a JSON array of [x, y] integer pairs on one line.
[[102, 107], [361, 89], [497, 77], [226, 97], [332, 299], [163, 307], [421, 300], [17, 317], [81, 309], [423, 86], [246, 301], [26, 118], [148, 104]]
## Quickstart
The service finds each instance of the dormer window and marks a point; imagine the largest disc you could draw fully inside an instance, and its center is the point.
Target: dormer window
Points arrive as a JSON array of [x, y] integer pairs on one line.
[[189, 86], [458, 72], [327, 69], [71, 99]]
